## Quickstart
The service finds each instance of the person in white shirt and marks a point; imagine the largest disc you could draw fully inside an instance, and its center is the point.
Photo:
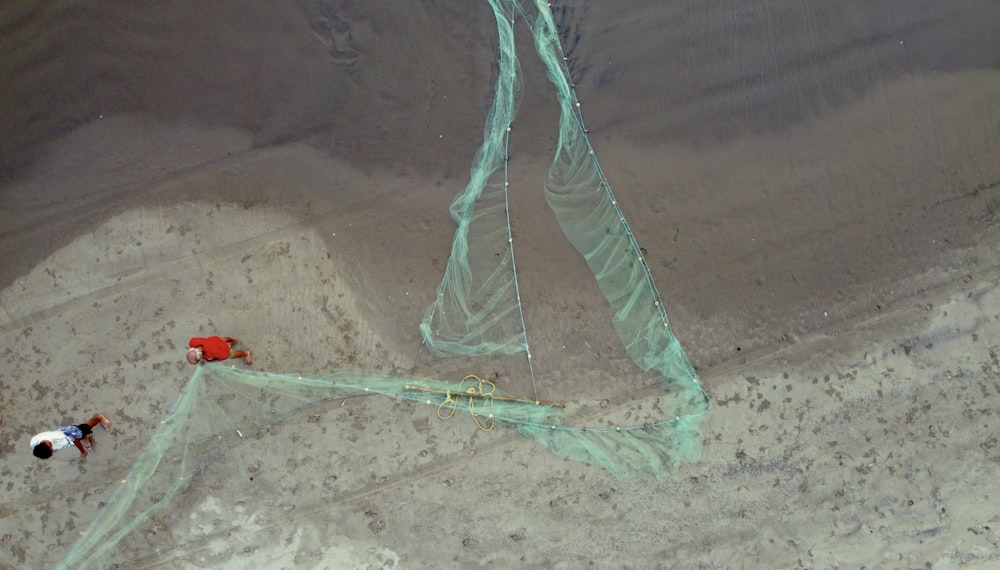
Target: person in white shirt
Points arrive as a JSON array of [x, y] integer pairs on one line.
[[45, 443]]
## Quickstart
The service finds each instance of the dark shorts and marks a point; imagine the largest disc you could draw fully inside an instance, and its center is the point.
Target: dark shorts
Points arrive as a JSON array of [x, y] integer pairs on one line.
[[85, 429]]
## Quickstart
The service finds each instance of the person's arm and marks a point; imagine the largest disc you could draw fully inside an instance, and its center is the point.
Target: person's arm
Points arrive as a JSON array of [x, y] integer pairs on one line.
[[83, 450]]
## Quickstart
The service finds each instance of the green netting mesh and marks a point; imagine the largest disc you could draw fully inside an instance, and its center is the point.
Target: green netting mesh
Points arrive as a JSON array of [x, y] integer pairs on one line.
[[222, 407], [582, 200], [477, 311]]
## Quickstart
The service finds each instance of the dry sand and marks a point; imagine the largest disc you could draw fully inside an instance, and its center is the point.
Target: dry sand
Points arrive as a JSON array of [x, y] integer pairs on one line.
[[815, 186]]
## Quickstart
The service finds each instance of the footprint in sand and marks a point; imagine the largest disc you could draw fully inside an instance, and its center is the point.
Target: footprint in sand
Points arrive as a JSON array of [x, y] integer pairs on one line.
[[332, 27]]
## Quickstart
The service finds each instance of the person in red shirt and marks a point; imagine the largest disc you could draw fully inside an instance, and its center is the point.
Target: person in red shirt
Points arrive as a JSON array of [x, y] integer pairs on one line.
[[215, 348]]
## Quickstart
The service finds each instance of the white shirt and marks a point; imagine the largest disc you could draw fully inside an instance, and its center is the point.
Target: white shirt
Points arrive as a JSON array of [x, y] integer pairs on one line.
[[58, 439]]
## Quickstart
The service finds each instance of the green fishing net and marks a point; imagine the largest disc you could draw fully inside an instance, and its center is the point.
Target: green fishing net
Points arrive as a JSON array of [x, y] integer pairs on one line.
[[477, 312]]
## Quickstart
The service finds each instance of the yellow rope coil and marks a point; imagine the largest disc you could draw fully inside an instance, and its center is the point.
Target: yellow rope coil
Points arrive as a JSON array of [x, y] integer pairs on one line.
[[480, 390]]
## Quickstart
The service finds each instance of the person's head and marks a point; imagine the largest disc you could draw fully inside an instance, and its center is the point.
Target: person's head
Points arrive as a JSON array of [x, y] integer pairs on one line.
[[43, 450], [194, 355]]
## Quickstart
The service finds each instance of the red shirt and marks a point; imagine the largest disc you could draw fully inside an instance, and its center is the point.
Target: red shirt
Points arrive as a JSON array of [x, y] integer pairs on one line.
[[212, 348]]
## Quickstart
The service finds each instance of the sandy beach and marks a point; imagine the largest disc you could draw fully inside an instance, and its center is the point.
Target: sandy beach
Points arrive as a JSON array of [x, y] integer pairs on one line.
[[816, 189]]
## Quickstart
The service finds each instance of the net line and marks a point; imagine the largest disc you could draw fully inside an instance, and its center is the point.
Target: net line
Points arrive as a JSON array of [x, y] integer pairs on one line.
[[463, 318], [473, 314]]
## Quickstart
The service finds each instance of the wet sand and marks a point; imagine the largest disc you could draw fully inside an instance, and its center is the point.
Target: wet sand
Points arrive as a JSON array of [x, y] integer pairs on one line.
[[815, 188]]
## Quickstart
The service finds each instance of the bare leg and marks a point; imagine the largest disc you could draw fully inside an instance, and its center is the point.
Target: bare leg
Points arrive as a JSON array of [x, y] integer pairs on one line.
[[230, 340], [244, 354], [100, 419]]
